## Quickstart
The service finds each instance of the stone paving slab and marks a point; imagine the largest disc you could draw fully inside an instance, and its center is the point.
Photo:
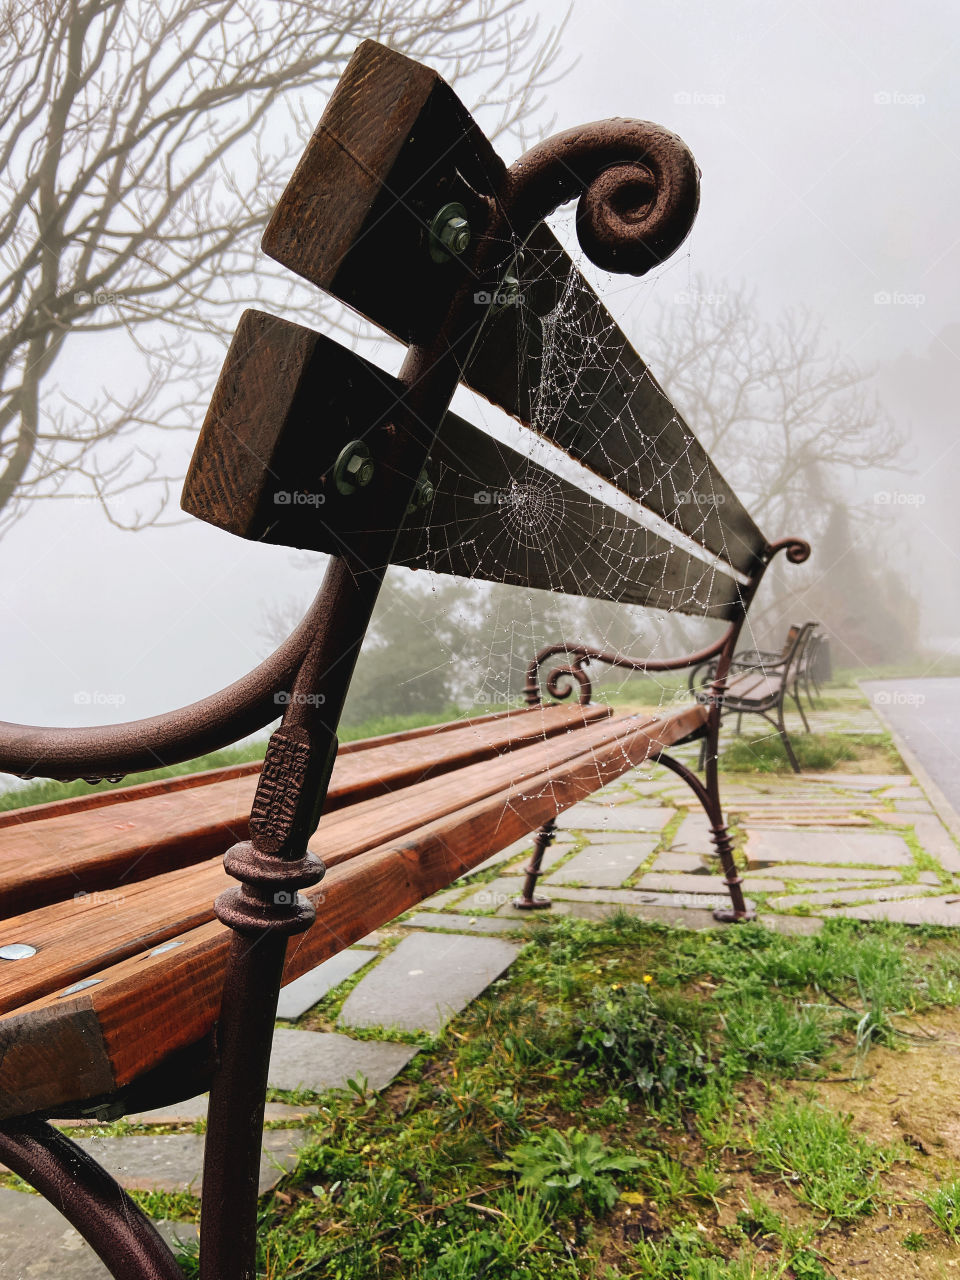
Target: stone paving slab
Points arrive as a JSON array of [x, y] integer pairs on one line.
[[859, 781], [830, 897], [607, 798], [819, 820], [319, 1060], [869, 848], [444, 899], [457, 923], [943, 911], [174, 1161], [706, 883], [639, 898], [678, 862], [551, 856], [427, 979], [304, 992], [510, 854], [937, 840], [682, 882], [806, 871], [36, 1241], [492, 895], [693, 835], [632, 817], [604, 864]]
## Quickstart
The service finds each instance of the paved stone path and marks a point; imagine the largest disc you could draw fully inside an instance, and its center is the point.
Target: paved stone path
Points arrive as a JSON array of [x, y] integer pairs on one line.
[[810, 846]]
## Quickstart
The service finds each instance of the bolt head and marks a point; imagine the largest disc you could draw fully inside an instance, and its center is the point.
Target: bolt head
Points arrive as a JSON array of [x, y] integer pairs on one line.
[[455, 235], [449, 233], [354, 468]]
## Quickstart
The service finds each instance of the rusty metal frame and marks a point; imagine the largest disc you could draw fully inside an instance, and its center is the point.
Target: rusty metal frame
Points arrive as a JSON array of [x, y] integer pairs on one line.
[[638, 191], [562, 679]]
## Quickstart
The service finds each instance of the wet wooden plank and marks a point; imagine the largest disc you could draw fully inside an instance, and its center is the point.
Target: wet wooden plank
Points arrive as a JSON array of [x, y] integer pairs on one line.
[[262, 470], [148, 1007], [92, 930], [354, 220], [141, 831]]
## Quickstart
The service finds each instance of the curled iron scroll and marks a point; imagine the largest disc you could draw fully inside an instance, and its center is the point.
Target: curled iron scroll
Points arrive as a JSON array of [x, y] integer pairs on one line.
[[637, 187], [562, 681], [797, 551]]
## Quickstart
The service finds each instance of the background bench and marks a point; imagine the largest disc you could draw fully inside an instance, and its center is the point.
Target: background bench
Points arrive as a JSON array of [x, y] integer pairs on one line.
[[400, 208]]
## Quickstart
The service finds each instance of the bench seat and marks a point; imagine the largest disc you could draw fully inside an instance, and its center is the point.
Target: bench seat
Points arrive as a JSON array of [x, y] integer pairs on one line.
[[110, 838], [406, 815]]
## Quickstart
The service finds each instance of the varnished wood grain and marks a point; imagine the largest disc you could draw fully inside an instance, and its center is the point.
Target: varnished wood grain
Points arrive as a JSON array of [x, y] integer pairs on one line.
[[147, 1007], [113, 839], [89, 931]]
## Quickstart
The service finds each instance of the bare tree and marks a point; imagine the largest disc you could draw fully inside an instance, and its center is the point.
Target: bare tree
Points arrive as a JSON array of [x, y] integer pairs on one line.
[[787, 415], [791, 419], [144, 144]]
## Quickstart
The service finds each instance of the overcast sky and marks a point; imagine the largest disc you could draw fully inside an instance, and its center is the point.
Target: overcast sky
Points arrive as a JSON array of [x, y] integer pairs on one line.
[[827, 136]]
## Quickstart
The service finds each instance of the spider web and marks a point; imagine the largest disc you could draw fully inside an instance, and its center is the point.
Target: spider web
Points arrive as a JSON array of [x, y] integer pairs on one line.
[[622, 521], [604, 502]]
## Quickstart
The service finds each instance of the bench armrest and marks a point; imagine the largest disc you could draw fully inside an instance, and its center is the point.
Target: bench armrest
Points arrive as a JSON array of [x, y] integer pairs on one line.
[[563, 678]]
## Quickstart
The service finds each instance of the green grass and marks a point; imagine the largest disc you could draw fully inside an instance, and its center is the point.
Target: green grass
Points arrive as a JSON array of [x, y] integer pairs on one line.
[[944, 1206], [581, 1121], [827, 1166], [764, 752], [44, 790]]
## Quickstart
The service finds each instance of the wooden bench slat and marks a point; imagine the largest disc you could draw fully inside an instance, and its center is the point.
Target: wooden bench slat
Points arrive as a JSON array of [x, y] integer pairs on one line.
[[611, 413], [381, 196], [140, 831], [497, 515], [76, 936], [58, 1052]]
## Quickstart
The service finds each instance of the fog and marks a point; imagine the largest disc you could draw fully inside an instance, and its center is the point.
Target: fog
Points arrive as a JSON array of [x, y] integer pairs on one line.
[[826, 136]]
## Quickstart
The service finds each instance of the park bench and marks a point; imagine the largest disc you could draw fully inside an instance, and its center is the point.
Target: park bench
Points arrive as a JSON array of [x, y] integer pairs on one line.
[[760, 681], [130, 974]]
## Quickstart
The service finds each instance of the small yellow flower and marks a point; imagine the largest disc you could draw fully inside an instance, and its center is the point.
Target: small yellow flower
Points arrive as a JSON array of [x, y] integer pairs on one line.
[[647, 979]]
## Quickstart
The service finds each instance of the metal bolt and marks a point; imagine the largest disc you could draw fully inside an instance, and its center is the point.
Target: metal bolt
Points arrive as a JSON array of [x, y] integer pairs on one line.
[[17, 951], [423, 493], [449, 233], [166, 946], [508, 294], [354, 468]]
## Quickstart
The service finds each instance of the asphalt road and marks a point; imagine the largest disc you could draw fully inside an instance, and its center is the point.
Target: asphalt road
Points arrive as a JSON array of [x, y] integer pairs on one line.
[[926, 715]]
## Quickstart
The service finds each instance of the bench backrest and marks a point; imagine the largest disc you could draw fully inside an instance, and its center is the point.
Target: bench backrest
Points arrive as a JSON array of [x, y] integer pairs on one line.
[[642, 516]]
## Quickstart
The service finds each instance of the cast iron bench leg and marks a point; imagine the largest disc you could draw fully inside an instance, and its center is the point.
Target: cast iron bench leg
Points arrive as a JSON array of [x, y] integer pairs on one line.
[[529, 900], [709, 796]]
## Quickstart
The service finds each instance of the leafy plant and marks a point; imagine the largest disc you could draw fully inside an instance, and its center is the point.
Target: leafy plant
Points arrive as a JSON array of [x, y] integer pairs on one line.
[[648, 1043], [561, 1165]]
